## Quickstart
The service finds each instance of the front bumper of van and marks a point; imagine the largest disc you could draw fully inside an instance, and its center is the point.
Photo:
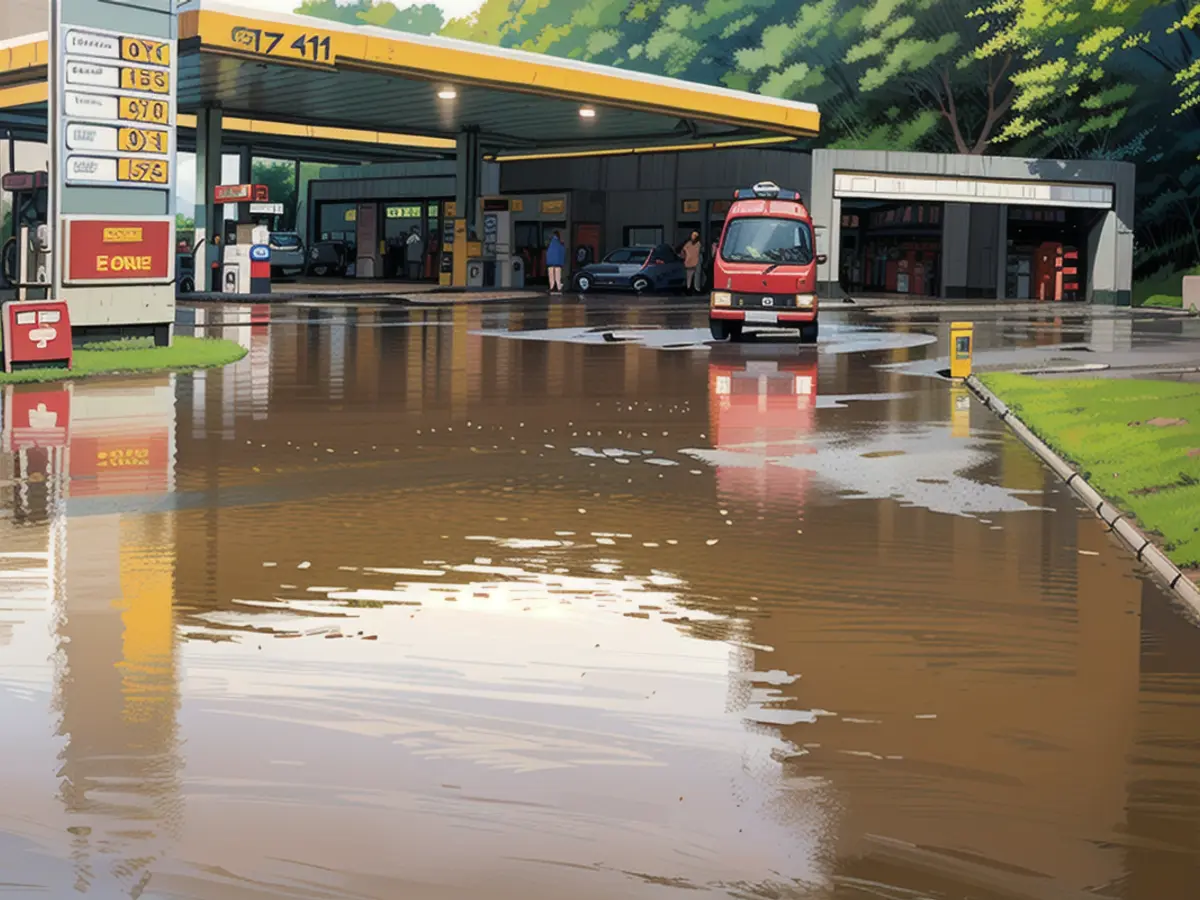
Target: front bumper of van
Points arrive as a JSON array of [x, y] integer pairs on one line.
[[763, 316], [763, 309]]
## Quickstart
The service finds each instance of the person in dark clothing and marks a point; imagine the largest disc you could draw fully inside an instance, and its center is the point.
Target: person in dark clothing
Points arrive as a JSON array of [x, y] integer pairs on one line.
[[556, 258]]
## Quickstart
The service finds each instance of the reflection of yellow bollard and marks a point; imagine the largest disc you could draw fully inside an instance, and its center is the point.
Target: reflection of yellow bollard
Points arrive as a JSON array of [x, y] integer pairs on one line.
[[960, 412], [962, 339]]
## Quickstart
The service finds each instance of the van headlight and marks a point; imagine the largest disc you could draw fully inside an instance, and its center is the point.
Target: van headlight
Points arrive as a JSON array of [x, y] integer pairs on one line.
[[722, 298], [806, 301]]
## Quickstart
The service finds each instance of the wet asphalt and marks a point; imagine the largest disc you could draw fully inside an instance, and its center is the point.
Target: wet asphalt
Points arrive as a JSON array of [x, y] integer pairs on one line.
[[561, 600]]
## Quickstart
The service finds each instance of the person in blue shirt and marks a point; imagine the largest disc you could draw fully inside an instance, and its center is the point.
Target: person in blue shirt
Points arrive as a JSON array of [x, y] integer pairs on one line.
[[556, 258]]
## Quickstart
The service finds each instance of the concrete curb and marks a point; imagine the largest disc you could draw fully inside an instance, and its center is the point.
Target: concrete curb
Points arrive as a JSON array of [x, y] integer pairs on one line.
[[1179, 584]]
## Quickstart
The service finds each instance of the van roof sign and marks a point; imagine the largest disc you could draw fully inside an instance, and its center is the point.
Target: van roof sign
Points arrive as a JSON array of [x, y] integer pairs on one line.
[[766, 190]]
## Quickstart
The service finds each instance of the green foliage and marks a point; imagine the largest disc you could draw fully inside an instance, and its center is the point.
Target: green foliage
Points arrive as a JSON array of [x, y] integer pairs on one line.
[[280, 179], [5, 219], [124, 357], [1099, 425], [423, 18]]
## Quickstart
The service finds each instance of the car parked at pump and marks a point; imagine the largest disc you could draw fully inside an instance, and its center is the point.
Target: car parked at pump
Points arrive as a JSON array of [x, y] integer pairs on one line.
[[765, 270], [287, 253], [329, 258], [639, 269]]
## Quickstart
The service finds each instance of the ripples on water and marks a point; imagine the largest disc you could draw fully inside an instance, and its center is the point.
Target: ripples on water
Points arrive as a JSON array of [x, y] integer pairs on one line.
[[404, 611]]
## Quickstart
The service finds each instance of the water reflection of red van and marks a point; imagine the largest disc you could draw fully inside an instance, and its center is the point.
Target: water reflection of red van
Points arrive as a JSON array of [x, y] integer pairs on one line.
[[762, 410]]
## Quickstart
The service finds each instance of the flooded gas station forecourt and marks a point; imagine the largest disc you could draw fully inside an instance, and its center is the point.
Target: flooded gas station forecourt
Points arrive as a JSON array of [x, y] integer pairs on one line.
[[561, 600]]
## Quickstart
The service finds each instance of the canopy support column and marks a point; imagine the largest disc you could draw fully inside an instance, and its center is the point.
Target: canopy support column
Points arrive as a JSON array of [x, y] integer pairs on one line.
[[208, 214]]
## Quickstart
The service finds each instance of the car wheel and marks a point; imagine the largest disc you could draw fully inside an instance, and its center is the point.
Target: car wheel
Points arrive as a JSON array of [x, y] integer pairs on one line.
[[320, 270], [186, 285], [640, 284], [583, 284], [723, 330], [808, 333]]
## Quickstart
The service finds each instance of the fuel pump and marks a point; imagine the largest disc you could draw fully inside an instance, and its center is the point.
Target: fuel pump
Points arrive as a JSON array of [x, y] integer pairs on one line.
[[245, 251], [503, 269], [25, 257]]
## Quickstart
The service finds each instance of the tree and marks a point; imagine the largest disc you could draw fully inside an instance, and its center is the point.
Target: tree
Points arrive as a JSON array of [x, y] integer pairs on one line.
[[425, 18], [280, 179]]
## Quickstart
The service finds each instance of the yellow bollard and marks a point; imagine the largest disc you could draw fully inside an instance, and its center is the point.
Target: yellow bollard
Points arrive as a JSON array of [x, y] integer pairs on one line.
[[962, 340], [960, 412]]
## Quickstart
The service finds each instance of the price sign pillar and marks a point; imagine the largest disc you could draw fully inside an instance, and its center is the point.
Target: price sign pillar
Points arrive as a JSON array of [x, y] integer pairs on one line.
[[112, 115]]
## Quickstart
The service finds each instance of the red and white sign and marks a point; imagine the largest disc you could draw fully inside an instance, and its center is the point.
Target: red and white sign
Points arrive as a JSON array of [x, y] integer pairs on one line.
[[36, 417], [36, 332], [241, 193], [119, 250]]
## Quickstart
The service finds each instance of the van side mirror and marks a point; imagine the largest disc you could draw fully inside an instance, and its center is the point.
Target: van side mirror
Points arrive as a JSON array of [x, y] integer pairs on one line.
[[822, 259]]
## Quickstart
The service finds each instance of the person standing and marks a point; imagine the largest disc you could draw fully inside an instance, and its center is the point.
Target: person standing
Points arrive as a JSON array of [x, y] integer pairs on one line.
[[556, 258], [414, 251], [691, 262]]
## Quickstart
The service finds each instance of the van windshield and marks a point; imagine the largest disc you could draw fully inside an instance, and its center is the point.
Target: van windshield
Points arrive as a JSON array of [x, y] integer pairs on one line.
[[766, 240]]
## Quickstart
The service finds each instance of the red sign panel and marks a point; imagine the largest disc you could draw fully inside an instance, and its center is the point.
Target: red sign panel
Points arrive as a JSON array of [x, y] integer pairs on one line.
[[125, 251], [36, 332], [241, 193], [36, 417]]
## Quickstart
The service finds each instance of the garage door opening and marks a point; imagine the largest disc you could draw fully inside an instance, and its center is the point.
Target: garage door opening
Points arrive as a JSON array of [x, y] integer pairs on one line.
[[1045, 253], [890, 247]]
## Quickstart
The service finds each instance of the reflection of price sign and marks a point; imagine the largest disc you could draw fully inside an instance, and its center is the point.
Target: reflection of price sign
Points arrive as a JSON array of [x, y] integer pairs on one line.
[[142, 50], [287, 43], [155, 81], [143, 140], [144, 109], [143, 171]]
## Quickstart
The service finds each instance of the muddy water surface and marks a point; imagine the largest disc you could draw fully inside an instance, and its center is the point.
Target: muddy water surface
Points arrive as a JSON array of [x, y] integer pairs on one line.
[[401, 606]]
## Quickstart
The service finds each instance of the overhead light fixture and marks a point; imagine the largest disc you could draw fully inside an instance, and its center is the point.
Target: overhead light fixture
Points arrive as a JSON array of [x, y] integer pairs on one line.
[[587, 112], [447, 93]]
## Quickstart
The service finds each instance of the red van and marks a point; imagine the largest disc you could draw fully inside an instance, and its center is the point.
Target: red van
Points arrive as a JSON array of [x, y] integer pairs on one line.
[[765, 272]]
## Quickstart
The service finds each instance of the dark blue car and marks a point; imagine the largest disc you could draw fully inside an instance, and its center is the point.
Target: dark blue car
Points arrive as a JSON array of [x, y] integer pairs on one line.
[[638, 269]]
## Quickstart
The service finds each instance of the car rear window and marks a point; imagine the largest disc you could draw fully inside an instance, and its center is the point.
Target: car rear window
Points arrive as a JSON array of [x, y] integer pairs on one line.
[[286, 241], [767, 240]]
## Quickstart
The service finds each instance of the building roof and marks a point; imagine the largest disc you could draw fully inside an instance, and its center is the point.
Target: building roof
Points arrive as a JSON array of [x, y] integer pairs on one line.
[[295, 77]]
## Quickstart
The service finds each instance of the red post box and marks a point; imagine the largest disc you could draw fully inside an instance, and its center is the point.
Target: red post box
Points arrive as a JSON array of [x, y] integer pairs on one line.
[[36, 333]]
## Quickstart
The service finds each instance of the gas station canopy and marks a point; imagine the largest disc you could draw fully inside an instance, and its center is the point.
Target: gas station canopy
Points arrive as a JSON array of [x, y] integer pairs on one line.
[[295, 85]]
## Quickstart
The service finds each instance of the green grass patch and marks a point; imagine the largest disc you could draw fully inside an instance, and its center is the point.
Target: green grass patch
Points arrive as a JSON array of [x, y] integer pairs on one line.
[[127, 357], [1163, 289], [1101, 426]]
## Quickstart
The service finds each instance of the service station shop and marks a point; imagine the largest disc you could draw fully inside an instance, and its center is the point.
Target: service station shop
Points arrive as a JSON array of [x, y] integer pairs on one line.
[[916, 224]]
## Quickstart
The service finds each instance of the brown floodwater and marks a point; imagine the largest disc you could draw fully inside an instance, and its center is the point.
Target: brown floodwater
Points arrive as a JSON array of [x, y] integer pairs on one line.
[[401, 606]]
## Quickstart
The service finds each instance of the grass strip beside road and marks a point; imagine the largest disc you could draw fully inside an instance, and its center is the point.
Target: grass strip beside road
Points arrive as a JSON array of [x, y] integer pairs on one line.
[[136, 356], [1136, 442]]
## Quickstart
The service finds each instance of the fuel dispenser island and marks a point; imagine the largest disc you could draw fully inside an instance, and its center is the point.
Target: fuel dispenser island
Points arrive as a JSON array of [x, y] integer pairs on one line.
[[25, 257], [498, 265], [245, 266]]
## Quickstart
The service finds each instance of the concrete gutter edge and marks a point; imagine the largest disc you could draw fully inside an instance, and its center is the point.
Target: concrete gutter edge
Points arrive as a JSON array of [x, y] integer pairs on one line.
[[1146, 552]]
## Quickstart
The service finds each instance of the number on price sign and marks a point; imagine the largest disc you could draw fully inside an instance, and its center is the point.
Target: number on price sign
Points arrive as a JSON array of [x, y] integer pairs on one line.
[[142, 171], [142, 109], [155, 53], [155, 81], [285, 44], [142, 140]]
